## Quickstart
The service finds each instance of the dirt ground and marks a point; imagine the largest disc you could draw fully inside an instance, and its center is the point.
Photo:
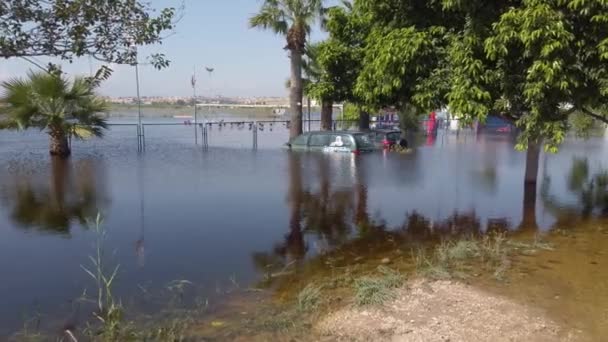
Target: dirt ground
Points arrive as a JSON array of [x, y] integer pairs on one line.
[[443, 311]]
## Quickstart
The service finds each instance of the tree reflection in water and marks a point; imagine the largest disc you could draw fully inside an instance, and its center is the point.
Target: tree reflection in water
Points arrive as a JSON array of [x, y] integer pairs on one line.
[[52, 202], [590, 189], [335, 216]]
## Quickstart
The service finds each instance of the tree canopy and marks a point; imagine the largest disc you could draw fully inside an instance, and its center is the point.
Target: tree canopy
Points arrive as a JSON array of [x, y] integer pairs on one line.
[[535, 62], [104, 29]]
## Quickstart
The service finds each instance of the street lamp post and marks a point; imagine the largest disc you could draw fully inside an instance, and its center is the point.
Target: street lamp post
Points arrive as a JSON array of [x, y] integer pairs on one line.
[[193, 82], [210, 71], [140, 135]]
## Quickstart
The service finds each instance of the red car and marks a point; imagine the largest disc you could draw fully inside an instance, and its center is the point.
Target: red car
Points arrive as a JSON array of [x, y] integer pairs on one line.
[[387, 138]]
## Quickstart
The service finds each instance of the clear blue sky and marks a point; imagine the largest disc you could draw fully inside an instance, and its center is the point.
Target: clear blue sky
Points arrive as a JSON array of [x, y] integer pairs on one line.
[[247, 62]]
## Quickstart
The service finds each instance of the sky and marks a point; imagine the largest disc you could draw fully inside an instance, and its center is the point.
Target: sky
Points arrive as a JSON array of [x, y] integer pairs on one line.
[[215, 33]]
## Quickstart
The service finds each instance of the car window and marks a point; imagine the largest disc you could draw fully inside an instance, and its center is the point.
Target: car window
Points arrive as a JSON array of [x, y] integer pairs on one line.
[[379, 137], [319, 140], [341, 140], [394, 136], [300, 140], [363, 140]]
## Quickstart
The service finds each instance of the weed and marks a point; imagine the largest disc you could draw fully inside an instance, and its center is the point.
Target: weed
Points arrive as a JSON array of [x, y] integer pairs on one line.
[[531, 247], [377, 290], [309, 298], [103, 279], [177, 289], [31, 330], [456, 259], [281, 322], [173, 331]]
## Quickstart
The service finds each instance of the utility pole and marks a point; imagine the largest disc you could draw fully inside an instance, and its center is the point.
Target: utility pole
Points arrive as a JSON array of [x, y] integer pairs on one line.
[[210, 72], [308, 100], [139, 123], [193, 82]]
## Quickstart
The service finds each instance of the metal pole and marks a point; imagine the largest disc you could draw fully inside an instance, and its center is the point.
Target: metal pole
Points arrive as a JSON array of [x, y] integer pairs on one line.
[[139, 128], [255, 135], [342, 114], [308, 100], [203, 136], [194, 102]]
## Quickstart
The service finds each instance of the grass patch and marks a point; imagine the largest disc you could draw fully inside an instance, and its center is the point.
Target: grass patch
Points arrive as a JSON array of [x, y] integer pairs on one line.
[[378, 289], [459, 259], [533, 247], [309, 298]]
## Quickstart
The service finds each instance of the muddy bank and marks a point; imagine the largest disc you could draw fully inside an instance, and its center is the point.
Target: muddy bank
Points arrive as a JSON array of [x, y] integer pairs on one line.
[[442, 311]]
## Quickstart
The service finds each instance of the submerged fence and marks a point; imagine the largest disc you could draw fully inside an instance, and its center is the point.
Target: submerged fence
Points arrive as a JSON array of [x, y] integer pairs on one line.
[[263, 134]]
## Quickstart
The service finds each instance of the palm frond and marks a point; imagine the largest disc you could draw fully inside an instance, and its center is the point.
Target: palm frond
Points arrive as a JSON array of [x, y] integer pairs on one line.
[[50, 101], [270, 17]]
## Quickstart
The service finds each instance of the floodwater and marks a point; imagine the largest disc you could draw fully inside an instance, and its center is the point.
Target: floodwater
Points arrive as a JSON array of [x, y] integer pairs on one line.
[[222, 217]]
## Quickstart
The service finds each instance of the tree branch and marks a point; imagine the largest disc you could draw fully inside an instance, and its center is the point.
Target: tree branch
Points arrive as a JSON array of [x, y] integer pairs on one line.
[[29, 60], [595, 116]]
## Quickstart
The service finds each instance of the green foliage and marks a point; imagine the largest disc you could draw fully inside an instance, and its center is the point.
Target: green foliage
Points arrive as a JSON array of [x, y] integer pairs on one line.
[[536, 63], [51, 102], [409, 118], [291, 18], [394, 63], [339, 58], [104, 29], [351, 112]]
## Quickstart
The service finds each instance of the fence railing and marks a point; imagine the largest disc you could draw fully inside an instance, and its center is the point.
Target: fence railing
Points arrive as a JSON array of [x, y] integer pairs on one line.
[[206, 133]]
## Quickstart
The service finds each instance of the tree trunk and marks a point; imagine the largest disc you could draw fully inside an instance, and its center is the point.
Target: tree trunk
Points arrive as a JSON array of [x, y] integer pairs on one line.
[[295, 94], [361, 216], [59, 143], [326, 114], [530, 181], [363, 121], [532, 161], [296, 246]]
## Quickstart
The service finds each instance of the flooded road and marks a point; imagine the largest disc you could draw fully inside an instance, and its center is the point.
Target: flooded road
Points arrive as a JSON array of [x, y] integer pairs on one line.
[[230, 216]]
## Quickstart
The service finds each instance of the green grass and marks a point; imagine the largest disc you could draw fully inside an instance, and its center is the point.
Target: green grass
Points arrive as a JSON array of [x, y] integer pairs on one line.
[[376, 290], [461, 258], [309, 298]]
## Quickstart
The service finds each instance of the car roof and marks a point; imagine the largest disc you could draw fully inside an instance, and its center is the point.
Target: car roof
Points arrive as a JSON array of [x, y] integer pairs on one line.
[[386, 130], [333, 132]]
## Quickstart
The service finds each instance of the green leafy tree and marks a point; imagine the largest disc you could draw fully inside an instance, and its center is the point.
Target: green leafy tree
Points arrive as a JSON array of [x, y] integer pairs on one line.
[[534, 62], [292, 19], [50, 102], [537, 63], [104, 29], [317, 85], [341, 57]]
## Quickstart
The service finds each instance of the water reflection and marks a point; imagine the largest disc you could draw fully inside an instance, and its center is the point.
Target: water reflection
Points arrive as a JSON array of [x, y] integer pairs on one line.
[[329, 211], [590, 188], [208, 214], [73, 191]]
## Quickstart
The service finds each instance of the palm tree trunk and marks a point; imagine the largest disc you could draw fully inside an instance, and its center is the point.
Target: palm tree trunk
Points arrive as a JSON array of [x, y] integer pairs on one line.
[[295, 239], [296, 93], [326, 114], [59, 143]]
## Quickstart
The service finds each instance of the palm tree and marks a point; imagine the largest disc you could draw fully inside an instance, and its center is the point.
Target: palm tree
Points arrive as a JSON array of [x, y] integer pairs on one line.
[[50, 102], [293, 19]]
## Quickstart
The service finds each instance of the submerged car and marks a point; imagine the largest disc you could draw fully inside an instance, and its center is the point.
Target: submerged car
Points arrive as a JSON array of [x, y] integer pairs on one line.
[[351, 142], [387, 138]]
